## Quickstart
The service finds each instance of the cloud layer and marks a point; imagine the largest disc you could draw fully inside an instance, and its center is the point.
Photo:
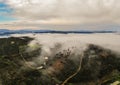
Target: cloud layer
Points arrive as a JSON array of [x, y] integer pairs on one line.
[[51, 44], [66, 12]]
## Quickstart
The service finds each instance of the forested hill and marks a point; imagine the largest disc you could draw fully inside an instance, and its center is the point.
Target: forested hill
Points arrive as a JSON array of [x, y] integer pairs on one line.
[[98, 65]]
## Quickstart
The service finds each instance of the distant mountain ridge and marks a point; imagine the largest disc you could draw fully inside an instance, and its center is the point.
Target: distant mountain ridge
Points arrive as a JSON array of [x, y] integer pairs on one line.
[[8, 32]]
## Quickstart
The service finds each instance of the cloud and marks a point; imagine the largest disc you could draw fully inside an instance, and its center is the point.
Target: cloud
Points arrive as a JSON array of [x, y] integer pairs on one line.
[[34, 24], [63, 14], [67, 11], [51, 44], [1, 0]]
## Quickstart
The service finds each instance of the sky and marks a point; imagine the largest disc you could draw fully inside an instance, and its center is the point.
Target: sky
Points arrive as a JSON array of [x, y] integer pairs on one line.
[[60, 14]]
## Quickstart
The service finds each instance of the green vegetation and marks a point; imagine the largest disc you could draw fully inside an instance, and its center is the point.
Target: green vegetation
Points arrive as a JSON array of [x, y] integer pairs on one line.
[[14, 72]]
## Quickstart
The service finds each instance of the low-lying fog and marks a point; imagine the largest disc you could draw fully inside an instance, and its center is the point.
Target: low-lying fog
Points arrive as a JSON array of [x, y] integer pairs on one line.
[[52, 44], [106, 40]]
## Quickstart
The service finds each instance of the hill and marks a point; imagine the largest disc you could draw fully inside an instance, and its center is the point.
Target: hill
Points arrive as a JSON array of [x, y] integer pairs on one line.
[[98, 65]]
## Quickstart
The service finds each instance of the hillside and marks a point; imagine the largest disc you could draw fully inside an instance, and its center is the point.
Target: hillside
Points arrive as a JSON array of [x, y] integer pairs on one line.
[[98, 66]]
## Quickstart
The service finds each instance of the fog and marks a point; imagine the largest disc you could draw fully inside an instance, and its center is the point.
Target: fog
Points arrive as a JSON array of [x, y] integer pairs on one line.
[[106, 40], [51, 44]]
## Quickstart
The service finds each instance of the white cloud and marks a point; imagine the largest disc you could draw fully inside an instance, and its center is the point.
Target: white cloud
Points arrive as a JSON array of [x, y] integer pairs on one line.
[[67, 12], [80, 11], [51, 44], [109, 41]]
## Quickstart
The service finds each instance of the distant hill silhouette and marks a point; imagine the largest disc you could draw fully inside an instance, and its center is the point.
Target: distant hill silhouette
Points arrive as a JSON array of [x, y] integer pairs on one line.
[[8, 32]]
